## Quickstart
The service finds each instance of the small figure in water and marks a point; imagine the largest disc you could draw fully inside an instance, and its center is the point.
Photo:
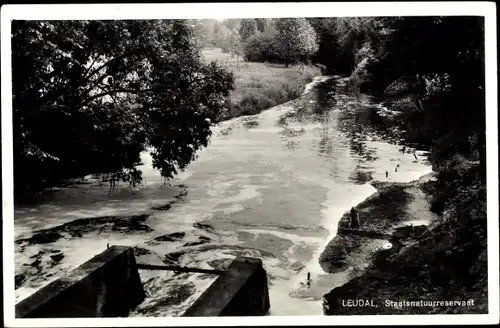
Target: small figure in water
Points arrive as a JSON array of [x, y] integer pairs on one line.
[[396, 168], [386, 174], [404, 149], [354, 216], [309, 279]]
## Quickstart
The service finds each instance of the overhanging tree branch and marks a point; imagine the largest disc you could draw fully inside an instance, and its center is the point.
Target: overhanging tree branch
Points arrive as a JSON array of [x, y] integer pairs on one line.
[[90, 67], [98, 82], [111, 92], [106, 64]]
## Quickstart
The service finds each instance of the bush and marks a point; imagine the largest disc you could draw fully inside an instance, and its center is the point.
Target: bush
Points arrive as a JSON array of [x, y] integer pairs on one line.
[[398, 87], [361, 77], [254, 103], [261, 48], [292, 90], [404, 104]]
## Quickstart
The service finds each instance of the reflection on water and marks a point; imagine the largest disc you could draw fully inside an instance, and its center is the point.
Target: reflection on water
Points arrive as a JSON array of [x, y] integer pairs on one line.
[[272, 185]]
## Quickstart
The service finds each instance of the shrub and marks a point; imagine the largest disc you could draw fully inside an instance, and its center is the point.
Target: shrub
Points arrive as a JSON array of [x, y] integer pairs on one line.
[[261, 48], [361, 77], [292, 90], [254, 103], [398, 87]]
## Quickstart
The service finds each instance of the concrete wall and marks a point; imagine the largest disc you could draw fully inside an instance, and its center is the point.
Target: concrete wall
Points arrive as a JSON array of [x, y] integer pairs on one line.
[[240, 291], [107, 285]]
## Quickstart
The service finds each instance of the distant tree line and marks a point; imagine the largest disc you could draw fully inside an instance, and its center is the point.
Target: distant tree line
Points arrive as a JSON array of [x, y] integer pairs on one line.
[[281, 40], [89, 96]]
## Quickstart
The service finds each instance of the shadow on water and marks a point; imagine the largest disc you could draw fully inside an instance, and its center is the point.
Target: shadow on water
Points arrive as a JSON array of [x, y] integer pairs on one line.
[[360, 177], [326, 138], [355, 114], [334, 107], [312, 106]]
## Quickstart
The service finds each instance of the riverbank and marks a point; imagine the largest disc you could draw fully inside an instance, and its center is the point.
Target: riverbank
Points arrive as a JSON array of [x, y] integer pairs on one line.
[[259, 86], [391, 260], [404, 252]]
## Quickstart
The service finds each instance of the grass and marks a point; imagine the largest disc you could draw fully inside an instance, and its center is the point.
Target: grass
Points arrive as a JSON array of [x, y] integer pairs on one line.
[[259, 86]]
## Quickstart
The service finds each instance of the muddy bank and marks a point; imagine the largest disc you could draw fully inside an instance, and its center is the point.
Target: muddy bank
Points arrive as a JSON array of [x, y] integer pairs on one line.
[[401, 253]]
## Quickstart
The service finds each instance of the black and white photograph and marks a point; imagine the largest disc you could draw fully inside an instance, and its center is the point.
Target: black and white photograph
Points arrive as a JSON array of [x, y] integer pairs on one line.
[[317, 161]]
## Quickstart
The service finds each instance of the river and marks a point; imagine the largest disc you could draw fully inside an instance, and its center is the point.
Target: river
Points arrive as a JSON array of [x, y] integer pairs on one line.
[[272, 185]]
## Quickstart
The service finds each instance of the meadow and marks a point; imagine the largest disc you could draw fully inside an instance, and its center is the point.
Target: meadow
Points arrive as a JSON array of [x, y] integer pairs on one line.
[[258, 86]]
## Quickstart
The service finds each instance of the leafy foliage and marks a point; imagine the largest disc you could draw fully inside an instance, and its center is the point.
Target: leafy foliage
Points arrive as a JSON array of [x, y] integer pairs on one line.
[[232, 23], [219, 33], [440, 75], [296, 39], [261, 24], [262, 47], [248, 27], [207, 32], [230, 42], [89, 96], [234, 42], [341, 37]]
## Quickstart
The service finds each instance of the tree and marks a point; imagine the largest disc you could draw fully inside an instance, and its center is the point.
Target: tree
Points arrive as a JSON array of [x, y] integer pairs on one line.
[[296, 39], [261, 24], [262, 47], [89, 96], [218, 34], [204, 30], [248, 27], [447, 67], [340, 38], [231, 23], [235, 46], [222, 37], [440, 76]]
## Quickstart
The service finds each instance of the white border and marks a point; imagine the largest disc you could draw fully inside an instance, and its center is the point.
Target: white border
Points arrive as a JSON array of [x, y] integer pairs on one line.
[[247, 10]]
